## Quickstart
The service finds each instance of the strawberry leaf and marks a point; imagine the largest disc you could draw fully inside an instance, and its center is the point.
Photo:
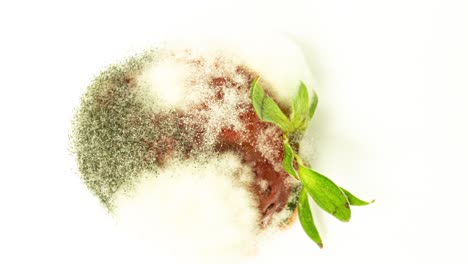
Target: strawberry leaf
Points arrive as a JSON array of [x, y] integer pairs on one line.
[[353, 200], [313, 105], [306, 219], [300, 106], [325, 193], [267, 110], [288, 160]]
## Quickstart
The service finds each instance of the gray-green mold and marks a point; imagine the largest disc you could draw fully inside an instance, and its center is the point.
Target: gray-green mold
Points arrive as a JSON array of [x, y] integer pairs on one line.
[[111, 129]]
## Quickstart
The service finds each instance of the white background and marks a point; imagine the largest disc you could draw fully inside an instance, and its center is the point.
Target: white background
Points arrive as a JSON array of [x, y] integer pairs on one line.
[[391, 124]]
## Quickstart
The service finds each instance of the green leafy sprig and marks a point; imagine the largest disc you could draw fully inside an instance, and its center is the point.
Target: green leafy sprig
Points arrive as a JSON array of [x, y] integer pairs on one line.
[[326, 194]]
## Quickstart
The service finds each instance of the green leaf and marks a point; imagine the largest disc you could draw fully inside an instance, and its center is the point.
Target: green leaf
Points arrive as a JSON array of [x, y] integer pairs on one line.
[[306, 219], [313, 105], [288, 160], [300, 107], [325, 193], [353, 200], [267, 110]]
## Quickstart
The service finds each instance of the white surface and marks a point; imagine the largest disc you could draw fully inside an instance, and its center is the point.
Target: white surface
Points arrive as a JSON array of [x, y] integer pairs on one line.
[[391, 122]]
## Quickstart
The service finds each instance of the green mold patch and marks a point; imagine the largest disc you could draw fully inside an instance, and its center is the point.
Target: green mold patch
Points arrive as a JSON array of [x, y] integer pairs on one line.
[[112, 128]]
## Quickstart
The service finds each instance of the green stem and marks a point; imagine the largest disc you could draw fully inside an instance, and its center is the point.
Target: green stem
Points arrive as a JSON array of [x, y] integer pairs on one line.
[[298, 159]]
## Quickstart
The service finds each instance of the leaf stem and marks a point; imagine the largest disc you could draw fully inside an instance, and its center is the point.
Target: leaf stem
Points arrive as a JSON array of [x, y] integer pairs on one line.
[[298, 159]]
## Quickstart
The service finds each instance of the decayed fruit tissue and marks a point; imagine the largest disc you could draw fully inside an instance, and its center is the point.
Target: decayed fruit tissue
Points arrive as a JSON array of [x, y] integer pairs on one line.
[[199, 144]]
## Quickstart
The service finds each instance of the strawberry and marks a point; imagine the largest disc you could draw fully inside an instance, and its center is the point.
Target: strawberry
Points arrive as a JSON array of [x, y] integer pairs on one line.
[[168, 110]]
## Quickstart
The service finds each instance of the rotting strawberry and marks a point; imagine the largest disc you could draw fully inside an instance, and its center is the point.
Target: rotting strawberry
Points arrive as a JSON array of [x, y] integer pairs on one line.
[[204, 122]]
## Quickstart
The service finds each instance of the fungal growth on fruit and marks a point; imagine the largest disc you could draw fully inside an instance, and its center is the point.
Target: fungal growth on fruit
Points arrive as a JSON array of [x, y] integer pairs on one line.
[[190, 146]]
